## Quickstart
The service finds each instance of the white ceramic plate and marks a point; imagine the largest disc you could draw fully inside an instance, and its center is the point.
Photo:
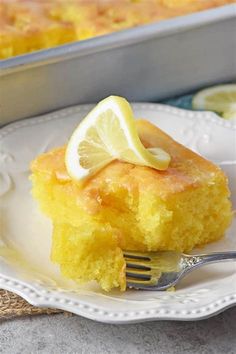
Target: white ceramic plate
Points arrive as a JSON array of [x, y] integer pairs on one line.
[[25, 267]]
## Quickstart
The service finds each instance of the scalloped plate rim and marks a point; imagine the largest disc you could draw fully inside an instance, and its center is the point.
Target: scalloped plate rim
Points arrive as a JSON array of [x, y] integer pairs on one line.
[[214, 117], [36, 298]]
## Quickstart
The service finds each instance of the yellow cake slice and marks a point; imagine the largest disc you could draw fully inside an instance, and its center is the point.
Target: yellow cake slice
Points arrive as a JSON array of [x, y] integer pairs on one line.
[[126, 206]]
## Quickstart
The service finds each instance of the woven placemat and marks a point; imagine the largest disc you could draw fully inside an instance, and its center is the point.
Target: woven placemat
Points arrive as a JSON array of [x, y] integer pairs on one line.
[[12, 305]]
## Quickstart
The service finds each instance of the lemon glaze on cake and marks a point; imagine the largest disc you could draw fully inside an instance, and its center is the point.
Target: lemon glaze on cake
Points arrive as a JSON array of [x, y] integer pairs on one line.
[[130, 207]]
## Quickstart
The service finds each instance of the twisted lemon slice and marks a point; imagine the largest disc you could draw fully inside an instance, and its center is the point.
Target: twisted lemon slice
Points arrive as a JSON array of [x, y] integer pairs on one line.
[[108, 133]]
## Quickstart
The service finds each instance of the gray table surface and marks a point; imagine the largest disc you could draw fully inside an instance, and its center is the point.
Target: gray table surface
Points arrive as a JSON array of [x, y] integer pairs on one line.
[[58, 334]]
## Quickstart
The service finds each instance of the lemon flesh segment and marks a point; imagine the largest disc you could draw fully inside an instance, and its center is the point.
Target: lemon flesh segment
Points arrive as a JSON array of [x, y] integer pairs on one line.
[[107, 133], [219, 98]]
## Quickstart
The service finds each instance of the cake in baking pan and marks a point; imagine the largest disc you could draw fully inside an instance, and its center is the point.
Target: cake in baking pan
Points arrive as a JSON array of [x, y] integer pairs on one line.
[[27, 26]]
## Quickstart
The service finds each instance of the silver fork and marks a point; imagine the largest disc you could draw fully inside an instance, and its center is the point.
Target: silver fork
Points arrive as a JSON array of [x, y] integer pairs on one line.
[[162, 270]]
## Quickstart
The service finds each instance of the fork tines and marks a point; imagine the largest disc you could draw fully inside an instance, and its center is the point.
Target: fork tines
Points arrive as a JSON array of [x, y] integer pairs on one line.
[[137, 255], [138, 270]]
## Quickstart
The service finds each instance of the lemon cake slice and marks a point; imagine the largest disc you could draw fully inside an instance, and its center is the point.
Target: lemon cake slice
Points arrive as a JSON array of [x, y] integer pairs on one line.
[[128, 206]]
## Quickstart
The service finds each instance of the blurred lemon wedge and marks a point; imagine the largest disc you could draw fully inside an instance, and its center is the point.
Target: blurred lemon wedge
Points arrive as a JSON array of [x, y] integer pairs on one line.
[[221, 98], [229, 114], [108, 133]]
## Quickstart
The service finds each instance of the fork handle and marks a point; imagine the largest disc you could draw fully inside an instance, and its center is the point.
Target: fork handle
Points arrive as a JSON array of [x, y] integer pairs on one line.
[[202, 259]]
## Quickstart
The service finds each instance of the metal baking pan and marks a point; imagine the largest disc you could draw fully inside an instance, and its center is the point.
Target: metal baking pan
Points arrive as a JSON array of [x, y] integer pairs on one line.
[[145, 63]]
